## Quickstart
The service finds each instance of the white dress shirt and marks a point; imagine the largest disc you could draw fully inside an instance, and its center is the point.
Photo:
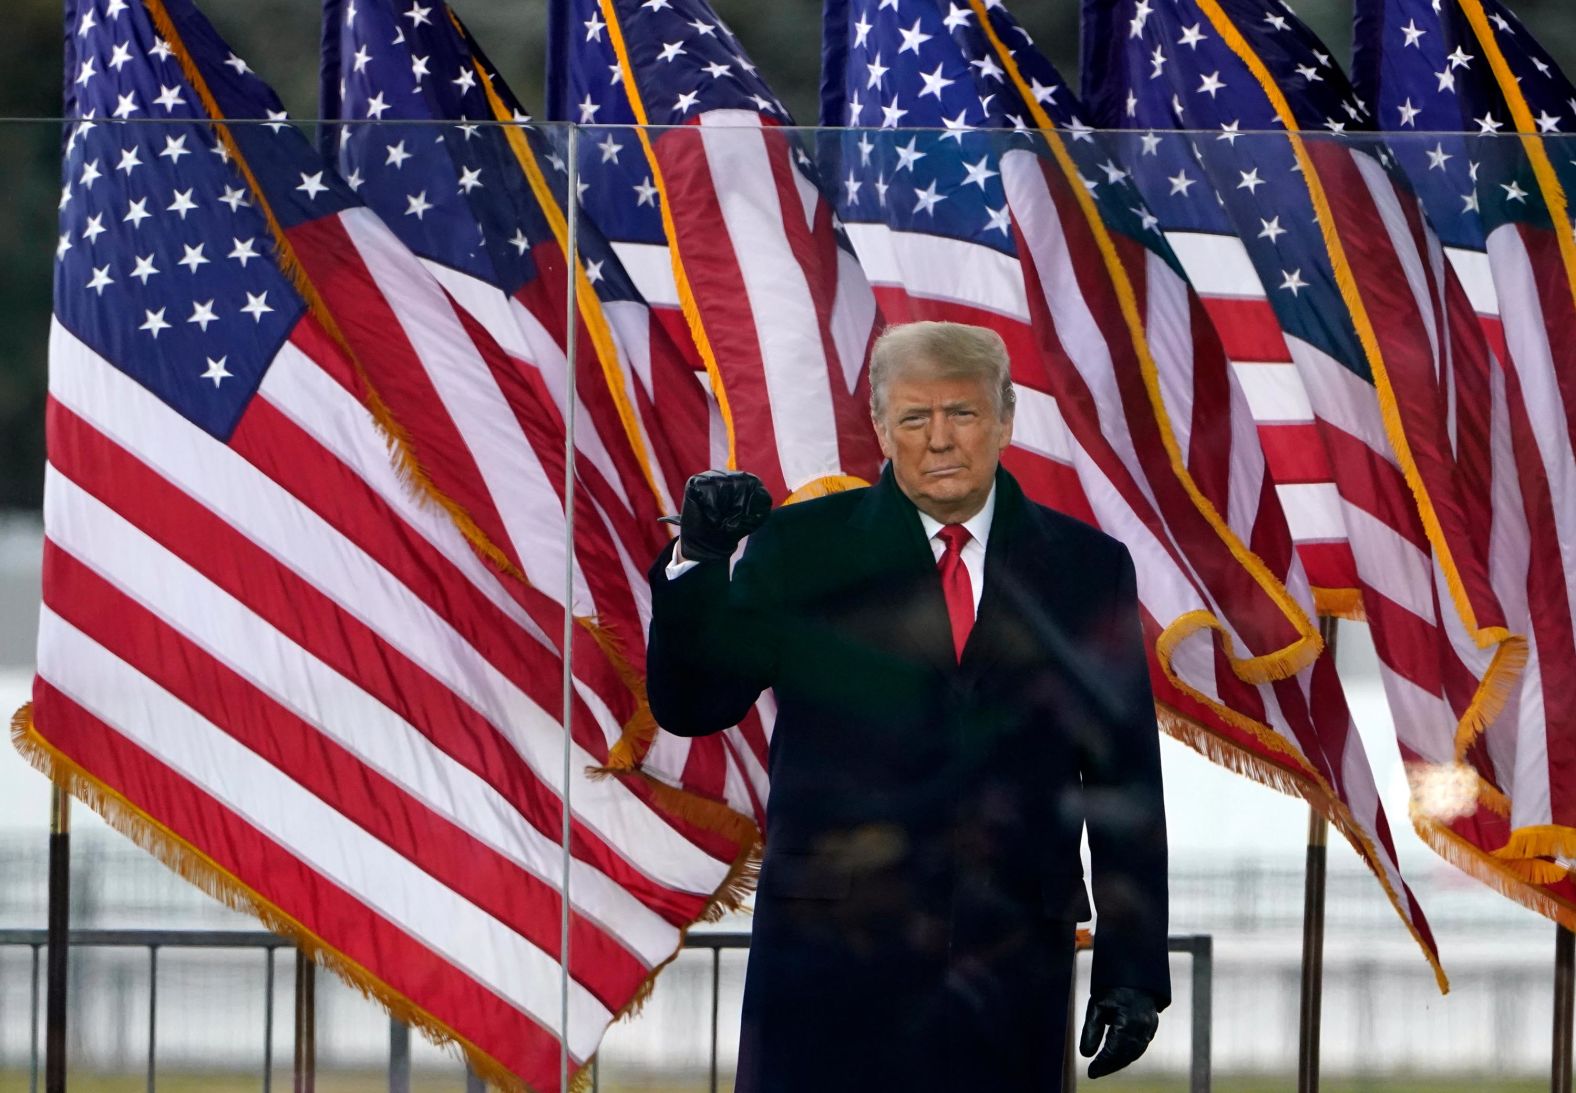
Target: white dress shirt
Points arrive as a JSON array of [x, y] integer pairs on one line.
[[978, 527]]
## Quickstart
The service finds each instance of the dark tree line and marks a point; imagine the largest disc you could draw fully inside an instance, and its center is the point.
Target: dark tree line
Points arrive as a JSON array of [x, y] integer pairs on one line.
[[280, 39]]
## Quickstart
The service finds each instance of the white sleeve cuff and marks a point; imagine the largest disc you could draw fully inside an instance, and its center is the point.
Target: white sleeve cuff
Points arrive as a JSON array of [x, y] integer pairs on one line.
[[677, 566]]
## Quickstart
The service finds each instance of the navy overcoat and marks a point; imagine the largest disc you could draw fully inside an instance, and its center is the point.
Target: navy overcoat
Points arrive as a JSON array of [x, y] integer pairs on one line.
[[922, 878]]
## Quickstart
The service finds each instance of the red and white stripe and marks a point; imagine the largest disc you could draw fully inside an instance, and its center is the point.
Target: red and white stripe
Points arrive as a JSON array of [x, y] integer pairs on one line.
[[1521, 293], [671, 393], [782, 319], [1407, 289], [1434, 598], [489, 434], [1432, 641], [787, 320], [284, 659], [617, 506], [1431, 661], [1221, 272], [1090, 362], [787, 316]]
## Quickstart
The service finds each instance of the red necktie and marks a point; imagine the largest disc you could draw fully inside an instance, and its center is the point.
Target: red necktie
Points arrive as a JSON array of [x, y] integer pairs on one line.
[[955, 584]]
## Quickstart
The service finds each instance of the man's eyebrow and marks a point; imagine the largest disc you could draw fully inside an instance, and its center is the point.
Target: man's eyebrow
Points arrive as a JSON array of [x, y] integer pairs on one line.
[[925, 407]]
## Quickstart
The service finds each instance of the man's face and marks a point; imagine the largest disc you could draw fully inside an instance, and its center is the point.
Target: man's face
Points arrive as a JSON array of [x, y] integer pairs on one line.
[[944, 438]]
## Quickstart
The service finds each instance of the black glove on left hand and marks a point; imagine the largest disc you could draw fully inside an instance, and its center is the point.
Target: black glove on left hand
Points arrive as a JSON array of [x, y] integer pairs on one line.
[[1126, 1019]]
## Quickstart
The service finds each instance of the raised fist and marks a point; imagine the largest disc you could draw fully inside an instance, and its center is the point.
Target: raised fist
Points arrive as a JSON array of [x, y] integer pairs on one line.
[[720, 508]]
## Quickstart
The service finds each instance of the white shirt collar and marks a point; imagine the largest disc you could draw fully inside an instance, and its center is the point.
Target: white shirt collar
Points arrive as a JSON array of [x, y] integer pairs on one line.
[[978, 525]]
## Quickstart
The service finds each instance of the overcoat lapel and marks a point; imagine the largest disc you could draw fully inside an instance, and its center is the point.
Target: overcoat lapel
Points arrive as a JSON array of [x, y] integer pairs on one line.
[[1014, 558], [896, 554], [896, 566]]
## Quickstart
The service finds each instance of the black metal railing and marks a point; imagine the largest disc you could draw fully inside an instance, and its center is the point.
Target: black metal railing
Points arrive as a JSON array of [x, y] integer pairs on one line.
[[1199, 947]]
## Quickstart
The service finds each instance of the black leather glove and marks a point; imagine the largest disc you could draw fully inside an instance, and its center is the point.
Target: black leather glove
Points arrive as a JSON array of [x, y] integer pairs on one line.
[[720, 508], [1126, 1019]]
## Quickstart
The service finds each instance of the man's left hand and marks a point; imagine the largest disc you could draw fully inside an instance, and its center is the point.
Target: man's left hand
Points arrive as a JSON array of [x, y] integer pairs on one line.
[[1126, 1020]]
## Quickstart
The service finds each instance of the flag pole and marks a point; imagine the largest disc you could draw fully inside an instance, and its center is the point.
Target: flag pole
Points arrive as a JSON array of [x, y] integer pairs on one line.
[[58, 939], [1311, 999], [1564, 1003], [560, 49], [305, 1023]]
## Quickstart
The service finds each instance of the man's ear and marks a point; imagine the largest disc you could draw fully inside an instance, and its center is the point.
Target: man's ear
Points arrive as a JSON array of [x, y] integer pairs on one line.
[[1006, 434]]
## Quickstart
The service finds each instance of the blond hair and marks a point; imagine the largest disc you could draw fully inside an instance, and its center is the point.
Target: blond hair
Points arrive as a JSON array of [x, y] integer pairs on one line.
[[945, 351]]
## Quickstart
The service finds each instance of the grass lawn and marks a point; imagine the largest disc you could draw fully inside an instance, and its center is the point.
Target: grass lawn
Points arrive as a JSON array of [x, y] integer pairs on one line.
[[373, 1082]]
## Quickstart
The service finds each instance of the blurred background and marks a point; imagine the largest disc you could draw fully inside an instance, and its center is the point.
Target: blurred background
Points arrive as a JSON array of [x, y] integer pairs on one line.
[[1237, 847]]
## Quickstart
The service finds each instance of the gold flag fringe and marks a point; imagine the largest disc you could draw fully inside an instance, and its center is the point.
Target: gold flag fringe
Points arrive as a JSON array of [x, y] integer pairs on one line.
[[1492, 798], [1536, 871], [713, 815], [630, 751], [198, 869], [1222, 752], [1500, 875], [1541, 841], [1339, 603], [825, 486], [729, 897], [624, 760], [1498, 684], [1185, 626], [1309, 787]]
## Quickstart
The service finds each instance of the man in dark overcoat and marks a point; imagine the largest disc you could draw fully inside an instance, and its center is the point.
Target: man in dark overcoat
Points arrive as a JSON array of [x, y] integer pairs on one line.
[[961, 693]]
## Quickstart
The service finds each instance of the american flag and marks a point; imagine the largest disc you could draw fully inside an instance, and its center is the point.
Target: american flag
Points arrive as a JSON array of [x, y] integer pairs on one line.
[[264, 651], [1354, 274], [970, 217], [781, 313], [484, 205], [620, 196], [1205, 242], [722, 201], [1469, 75], [496, 214]]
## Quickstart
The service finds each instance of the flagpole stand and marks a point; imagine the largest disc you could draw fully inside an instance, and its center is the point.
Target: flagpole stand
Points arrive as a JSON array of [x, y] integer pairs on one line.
[[58, 939], [1564, 1005]]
